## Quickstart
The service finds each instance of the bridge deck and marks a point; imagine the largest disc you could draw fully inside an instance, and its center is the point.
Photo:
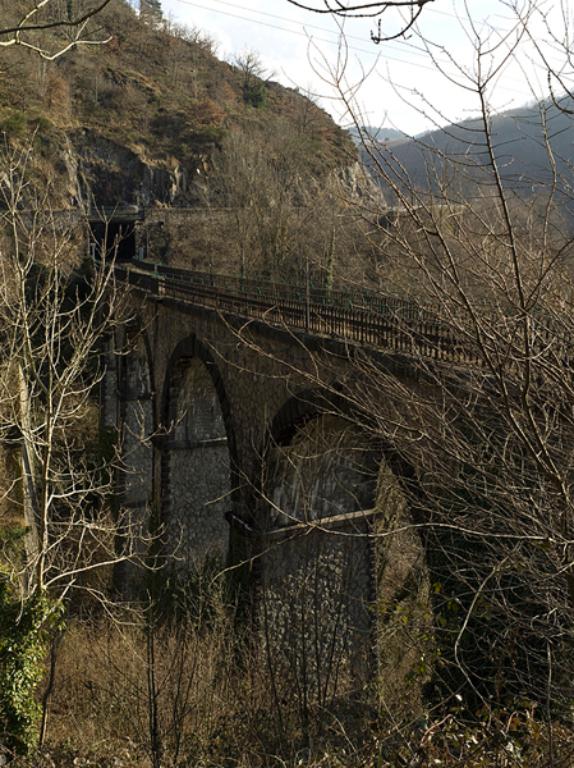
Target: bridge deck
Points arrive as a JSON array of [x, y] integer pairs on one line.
[[365, 318]]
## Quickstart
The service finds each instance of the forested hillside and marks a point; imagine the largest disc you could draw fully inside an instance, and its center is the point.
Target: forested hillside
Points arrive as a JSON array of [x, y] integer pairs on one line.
[[531, 145], [138, 121]]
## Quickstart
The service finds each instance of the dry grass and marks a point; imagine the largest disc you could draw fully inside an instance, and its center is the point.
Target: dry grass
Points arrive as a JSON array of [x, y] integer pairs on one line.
[[214, 708], [214, 701], [208, 699]]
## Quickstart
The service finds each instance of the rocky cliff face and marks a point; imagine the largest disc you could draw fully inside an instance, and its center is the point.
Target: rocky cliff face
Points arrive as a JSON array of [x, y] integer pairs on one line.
[[138, 121], [153, 119], [105, 172], [359, 184]]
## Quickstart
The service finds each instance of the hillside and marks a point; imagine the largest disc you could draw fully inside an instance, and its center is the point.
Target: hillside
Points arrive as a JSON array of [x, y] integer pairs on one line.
[[457, 153], [138, 121], [382, 135]]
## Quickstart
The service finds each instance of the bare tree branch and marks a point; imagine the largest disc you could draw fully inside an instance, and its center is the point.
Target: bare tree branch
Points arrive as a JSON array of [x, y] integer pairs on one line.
[[15, 33], [369, 10]]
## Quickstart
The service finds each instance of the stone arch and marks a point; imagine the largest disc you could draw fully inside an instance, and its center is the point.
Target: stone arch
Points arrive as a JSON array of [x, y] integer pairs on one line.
[[344, 591], [198, 459]]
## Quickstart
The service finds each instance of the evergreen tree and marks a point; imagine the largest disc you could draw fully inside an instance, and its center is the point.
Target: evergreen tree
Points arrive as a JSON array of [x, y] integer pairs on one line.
[[151, 12]]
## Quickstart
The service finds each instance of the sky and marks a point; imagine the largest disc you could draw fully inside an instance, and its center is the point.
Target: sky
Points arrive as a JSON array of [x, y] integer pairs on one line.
[[399, 83]]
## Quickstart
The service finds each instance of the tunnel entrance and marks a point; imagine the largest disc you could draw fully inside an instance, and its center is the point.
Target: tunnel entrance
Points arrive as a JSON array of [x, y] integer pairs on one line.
[[114, 237]]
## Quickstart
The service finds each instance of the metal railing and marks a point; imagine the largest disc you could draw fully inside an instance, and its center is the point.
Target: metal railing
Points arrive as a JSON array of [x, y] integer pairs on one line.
[[281, 292], [367, 319], [398, 325]]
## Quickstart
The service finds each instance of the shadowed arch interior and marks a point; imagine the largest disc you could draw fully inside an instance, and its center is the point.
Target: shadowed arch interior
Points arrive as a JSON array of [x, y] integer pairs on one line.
[[198, 458], [335, 584], [318, 463]]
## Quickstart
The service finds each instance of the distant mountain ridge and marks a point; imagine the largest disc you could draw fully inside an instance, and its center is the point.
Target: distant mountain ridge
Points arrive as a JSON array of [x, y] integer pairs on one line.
[[376, 134], [526, 142]]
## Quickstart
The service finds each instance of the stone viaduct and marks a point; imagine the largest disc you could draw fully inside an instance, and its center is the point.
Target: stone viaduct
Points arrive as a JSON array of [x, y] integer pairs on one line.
[[235, 448]]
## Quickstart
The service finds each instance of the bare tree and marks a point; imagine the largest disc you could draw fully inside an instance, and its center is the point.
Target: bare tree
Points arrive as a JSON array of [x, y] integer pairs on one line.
[[279, 221], [489, 431], [479, 408], [47, 16], [57, 496], [344, 9], [559, 71]]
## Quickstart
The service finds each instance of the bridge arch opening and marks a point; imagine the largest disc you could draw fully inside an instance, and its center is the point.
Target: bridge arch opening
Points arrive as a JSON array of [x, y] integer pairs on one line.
[[345, 591], [197, 461], [326, 469]]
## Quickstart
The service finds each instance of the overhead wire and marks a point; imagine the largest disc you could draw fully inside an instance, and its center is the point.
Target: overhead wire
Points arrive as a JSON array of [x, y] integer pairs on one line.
[[405, 43], [297, 32], [257, 12], [301, 33]]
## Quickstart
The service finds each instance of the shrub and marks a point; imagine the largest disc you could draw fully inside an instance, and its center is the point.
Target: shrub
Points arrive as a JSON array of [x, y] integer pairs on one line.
[[25, 631], [254, 93], [14, 124]]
